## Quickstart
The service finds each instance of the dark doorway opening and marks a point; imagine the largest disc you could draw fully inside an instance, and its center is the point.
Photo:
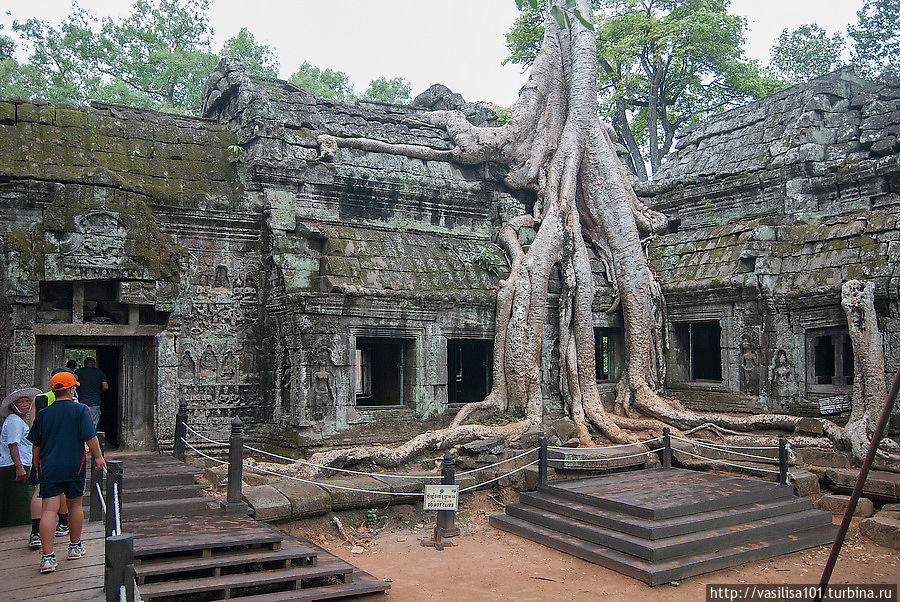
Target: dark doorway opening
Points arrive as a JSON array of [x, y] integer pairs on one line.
[[109, 359], [609, 353], [468, 369], [381, 372], [702, 343]]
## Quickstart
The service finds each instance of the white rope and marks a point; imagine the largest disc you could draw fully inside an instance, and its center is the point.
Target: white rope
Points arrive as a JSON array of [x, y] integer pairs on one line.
[[608, 446], [293, 478], [497, 463], [186, 442], [727, 451], [722, 445], [523, 467], [204, 437], [727, 463], [100, 497], [649, 451], [123, 594], [118, 530], [347, 470]]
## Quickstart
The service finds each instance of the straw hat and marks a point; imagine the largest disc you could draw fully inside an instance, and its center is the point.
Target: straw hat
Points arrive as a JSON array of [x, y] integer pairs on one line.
[[6, 406]]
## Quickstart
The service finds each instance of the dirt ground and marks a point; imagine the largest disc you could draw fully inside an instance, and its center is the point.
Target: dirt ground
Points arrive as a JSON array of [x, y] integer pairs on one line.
[[489, 564]]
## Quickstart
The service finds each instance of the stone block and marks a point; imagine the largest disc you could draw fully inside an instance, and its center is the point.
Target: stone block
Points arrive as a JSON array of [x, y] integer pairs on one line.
[[216, 475], [267, 503], [531, 478], [345, 499], [837, 504], [414, 487], [879, 485], [826, 458], [805, 483], [306, 499], [485, 446], [258, 478], [809, 426], [882, 530]]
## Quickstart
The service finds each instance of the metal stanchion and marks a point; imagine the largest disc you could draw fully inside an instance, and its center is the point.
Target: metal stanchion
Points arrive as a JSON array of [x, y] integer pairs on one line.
[[447, 518], [782, 461], [114, 473], [667, 448], [542, 463], [119, 567]]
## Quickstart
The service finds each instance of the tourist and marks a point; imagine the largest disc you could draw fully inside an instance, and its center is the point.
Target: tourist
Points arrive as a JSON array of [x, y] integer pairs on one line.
[[59, 434], [41, 402], [15, 457], [71, 365], [93, 383]]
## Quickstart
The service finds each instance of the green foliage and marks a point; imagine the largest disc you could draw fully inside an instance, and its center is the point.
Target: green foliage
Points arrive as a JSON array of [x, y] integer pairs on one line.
[[805, 53], [504, 115], [258, 59], [235, 151], [323, 82], [158, 56], [487, 260], [395, 90], [371, 517], [876, 38], [661, 65]]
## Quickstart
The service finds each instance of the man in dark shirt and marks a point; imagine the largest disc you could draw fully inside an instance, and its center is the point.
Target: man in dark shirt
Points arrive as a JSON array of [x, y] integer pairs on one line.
[[93, 383], [59, 434]]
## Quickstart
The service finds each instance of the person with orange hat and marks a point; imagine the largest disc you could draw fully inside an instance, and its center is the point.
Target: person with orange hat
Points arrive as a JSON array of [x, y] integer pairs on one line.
[[59, 434]]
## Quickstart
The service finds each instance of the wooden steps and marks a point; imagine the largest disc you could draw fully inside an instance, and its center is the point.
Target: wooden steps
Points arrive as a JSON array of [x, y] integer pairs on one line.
[[185, 549], [659, 525]]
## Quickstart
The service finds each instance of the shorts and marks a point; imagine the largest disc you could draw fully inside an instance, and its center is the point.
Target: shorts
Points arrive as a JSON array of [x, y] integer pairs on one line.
[[72, 489], [32, 477]]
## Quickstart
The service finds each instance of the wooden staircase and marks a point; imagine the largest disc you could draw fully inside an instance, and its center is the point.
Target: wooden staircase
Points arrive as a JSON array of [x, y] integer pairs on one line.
[[660, 525], [186, 549]]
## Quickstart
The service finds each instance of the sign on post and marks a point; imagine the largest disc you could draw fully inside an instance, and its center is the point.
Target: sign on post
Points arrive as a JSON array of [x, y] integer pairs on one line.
[[441, 497]]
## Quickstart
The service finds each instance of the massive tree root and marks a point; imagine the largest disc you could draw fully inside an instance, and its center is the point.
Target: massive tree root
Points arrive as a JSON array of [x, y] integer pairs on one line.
[[556, 146]]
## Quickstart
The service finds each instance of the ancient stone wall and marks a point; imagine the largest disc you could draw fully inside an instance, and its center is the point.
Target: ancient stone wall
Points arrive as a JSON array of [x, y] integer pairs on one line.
[[780, 202]]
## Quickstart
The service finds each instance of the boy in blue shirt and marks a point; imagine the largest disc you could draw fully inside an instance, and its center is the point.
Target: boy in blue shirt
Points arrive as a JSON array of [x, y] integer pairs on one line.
[[59, 434]]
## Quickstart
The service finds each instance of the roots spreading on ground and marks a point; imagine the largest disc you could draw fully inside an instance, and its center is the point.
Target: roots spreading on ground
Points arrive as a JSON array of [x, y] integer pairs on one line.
[[556, 146]]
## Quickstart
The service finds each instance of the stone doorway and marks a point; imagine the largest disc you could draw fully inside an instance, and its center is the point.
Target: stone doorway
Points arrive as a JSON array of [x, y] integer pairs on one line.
[[126, 409]]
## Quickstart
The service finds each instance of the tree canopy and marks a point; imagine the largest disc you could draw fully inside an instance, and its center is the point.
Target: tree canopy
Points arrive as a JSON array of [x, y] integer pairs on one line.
[[876, 38], [396, 90], [323, 82], [662, 64], [806, 52]]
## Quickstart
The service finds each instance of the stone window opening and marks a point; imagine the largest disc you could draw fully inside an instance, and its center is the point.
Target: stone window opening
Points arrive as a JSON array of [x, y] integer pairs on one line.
[[829, 360], [382, 377], [609, 353], [699, 352], [469, 366]]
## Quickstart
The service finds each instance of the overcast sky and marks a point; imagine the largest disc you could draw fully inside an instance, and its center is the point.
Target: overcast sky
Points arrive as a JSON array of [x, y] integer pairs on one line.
[[458, 43]]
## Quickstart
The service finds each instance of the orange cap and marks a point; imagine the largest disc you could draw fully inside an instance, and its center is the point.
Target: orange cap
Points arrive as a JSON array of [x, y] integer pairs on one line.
[[63, 380]]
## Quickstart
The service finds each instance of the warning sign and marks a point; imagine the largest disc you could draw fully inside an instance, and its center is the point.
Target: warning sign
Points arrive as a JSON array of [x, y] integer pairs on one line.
[[441, 497]]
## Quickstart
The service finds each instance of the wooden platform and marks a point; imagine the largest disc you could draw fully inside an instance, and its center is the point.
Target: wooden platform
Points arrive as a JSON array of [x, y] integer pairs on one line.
[[659, 525], [185, 548], [80, 579]]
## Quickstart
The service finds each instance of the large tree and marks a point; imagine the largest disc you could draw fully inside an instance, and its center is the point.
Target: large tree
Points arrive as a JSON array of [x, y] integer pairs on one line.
[[158, 56], [382, 89], [876, 38], [327, 83], [804, 53], [662, 64], [556, 146]]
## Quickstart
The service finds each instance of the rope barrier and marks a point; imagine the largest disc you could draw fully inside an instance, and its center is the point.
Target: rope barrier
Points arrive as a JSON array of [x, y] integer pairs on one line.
[[204, 437], [722, 445], [186, 442], [347, 470], [123, 594], [321, 484], [726, 463], [576, 460], [100, 497], [497, 463], [477, 485], [116, 508], [727, 451], [609, 446]]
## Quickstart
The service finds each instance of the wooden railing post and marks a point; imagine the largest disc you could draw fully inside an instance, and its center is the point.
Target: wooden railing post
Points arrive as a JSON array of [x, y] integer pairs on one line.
[[447, 518], [667, 448], [119, 567], [542, 461], [114, 472], [95, 511], [782, 461], [233, 499], [180, 430]]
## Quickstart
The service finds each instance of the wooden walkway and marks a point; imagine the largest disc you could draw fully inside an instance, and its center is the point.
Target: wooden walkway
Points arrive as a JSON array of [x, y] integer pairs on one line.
[[80, 579]]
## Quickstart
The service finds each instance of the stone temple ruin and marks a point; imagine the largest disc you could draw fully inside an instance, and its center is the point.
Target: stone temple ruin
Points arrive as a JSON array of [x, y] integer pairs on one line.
[[243, 263]]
